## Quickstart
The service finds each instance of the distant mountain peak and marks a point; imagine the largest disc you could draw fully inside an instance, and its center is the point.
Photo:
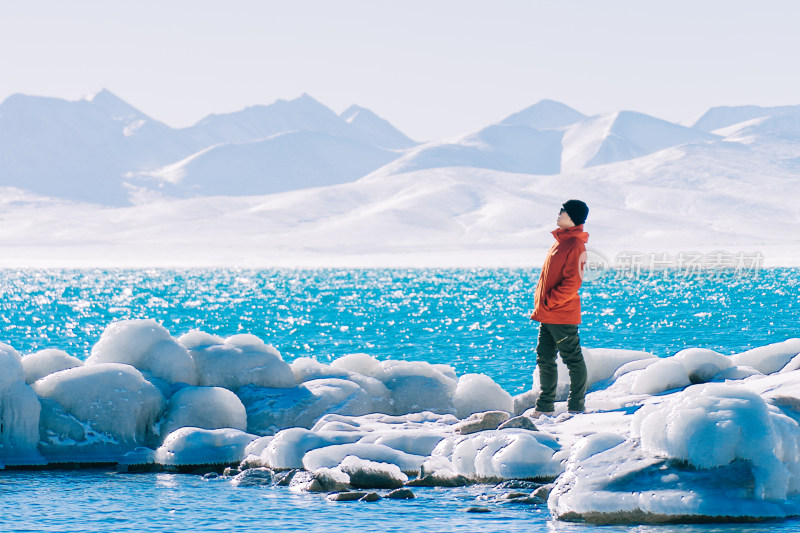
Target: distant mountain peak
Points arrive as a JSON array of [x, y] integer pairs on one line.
[[113, 105], [545, 114]]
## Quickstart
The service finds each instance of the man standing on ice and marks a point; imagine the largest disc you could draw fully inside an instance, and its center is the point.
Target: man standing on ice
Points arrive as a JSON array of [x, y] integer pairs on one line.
[[558, 309]]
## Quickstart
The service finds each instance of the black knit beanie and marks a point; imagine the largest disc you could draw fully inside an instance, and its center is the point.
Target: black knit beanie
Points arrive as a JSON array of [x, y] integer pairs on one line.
[[576, 210]]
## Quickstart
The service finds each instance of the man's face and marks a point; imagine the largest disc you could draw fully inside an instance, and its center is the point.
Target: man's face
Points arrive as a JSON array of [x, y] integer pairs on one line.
[[564, 221]]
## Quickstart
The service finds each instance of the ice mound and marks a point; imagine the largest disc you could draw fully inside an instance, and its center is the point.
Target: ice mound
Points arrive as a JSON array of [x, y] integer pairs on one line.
[[502, 454], [196, 446], [663, 375], [419, 386], [702, 364], [44, 362], [770, 358], [331, 456], [412, 441], [237, 361], [19, 412], [113, 398], [476, 393], [147, 346], [204, 407], [270, 410], [372, 475], [713, 425], [289, 446]]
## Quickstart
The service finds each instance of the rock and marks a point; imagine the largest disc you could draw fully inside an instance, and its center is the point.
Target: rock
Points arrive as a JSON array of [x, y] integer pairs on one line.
[[481, 422], [210, 475], [518, 484], [254, 477], [231, 471], [332, 479], [477, 509], [371, 497], [401, 494], [305, 481], [285, 478], [432, 480], [525, 401], [522, 422], [513, 495], [345, 496], [543, 492]]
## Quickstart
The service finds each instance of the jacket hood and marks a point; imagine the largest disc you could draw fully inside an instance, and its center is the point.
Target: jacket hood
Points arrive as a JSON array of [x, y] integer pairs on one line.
[[576, 232]]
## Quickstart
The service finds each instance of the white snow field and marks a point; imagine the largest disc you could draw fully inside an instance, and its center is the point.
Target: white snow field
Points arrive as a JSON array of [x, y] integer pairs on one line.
[[294, 184], [695, 436]]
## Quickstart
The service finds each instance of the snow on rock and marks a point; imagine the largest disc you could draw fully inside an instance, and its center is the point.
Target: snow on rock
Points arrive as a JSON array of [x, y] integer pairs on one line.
[[114, 398], [476, 393], [331, 456], [237, 361], [196, 446], [204, 407], [19, 412], [366, 474], [40, 364], [289, 446], [146, 345], [770, 358]]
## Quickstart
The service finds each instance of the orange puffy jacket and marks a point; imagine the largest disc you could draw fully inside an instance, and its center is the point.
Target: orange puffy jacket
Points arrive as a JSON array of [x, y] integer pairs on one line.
[[557, 300]]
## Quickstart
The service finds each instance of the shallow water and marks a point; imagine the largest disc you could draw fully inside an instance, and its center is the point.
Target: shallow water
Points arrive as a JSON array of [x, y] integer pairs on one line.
[[474, 320], [101, 501]]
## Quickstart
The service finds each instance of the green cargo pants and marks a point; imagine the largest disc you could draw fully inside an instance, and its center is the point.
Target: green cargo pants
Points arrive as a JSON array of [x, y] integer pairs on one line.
[[564, 339]]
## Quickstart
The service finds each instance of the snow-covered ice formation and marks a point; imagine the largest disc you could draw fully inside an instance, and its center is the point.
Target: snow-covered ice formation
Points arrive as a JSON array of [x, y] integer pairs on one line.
[[696, 436]]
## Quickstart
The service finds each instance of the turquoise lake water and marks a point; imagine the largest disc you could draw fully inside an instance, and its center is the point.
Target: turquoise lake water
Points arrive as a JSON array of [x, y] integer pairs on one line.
[[474, 320]]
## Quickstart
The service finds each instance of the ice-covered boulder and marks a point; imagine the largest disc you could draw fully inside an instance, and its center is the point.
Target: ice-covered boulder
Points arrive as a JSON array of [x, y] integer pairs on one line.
[[770, 358], [306, 369], [331, 456], [44, 362], [419, 386], [412, 441], [476, 393], [147, 346], [238, 361], [196, 446], [19, 412], [702, 364], [365, 474], [204, 407], [289, 446], [113, 398], [359, 363], [270, 410], [663, 375], [715, 424], [503, 454]]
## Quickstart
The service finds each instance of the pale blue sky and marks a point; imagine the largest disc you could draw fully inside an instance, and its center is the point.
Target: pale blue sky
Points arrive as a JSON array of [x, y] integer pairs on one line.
[[434, 68]]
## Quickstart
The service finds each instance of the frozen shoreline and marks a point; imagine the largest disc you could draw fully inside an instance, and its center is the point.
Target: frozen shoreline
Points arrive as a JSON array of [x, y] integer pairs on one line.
[[667, 439]]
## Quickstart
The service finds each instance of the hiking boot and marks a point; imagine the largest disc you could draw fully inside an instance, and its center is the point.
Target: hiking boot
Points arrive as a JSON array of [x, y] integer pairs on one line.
[[576, 411], [537, 413]]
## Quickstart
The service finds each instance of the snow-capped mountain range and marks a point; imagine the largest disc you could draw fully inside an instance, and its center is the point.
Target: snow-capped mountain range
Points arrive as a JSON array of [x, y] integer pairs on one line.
[[97, 182]]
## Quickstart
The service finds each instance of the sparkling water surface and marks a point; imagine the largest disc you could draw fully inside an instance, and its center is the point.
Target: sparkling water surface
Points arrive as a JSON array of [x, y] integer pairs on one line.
[[474, 320]]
